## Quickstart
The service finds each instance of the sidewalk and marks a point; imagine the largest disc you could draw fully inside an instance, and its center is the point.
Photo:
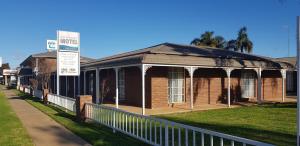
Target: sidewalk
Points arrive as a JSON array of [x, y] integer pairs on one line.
[[42, 129]]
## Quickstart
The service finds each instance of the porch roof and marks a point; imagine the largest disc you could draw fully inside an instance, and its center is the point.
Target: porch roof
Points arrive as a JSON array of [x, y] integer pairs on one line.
[[175, 54]]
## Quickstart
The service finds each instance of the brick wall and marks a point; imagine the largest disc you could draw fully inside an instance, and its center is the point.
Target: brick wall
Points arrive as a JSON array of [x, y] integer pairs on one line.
[[210, 86], [272, 84]]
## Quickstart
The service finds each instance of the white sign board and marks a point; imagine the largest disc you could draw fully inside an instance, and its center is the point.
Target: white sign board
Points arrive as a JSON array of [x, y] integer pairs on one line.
[[68, 63], [51, 45], [68, 52], [0, 61], [8, 72]]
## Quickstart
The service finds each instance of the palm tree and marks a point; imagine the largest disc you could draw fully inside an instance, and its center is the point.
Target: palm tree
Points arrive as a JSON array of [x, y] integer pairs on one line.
[[220, 42], [231, 45], [208, 39], [243, 42]]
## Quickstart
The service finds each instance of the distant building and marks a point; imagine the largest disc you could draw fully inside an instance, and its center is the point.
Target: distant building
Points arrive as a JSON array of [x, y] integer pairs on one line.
[[43, 63]]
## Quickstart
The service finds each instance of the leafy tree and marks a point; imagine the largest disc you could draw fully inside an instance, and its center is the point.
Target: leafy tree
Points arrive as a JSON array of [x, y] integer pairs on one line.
[[220, 42], [231, 45], [243, 42], [206, 39]]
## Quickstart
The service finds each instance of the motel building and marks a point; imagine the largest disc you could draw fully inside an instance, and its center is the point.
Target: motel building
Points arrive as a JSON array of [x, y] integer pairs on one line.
[[171, 78], [167, 77]]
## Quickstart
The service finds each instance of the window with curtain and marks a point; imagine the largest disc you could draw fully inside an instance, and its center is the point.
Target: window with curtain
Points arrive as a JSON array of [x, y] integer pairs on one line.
[[121, 83], [176, 85], [248, 84]]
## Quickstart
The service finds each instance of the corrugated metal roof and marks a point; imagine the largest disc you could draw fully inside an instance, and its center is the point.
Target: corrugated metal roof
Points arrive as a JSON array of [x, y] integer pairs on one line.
[[168, 53]]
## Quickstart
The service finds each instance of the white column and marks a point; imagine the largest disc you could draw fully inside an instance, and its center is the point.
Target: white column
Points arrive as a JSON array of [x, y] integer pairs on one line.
[[259, 94], [117, 87], [283, 74], [191, 73], [84, 82], [143, 89], [228, 72], [97, 86]]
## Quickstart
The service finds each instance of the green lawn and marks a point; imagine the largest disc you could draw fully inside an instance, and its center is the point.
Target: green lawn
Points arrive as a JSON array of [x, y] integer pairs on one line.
[[271, 123], [93, 133], [12, 132]]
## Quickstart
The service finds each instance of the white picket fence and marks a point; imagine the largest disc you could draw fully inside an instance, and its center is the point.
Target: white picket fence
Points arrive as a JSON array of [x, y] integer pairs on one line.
[[27, 90], [38, 93], [63, 101], [161, 132], [21, 88]]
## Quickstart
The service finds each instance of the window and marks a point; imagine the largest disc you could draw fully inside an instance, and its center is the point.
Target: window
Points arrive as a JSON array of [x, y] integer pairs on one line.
[[121, 85], [176, 85], [247, 84]]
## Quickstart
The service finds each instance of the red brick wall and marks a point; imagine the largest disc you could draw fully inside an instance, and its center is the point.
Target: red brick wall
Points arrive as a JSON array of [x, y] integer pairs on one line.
[[157, 87], [208, 86], [272, 84]]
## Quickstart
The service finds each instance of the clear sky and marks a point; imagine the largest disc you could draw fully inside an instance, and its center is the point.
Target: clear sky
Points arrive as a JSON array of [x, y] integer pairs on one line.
[[108, 27]]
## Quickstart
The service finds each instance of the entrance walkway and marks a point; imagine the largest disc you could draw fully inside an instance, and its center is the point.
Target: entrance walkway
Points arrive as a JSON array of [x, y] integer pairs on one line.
[[43, 130]]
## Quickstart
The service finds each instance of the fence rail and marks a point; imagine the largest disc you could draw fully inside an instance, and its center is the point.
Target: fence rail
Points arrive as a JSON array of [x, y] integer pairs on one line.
[[21, 88], [27, 90], [63, 101], [161, 132]]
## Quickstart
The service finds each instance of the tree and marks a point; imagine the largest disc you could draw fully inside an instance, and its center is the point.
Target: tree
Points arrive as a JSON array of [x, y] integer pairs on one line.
[[220, 42], [231, 45], [206, 39], [243, 42]]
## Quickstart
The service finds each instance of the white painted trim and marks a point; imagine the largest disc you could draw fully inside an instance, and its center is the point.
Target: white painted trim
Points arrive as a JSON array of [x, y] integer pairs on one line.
[[117, 86]]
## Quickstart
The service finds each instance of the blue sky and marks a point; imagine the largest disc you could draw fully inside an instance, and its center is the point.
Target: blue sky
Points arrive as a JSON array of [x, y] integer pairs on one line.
[[108, 27]]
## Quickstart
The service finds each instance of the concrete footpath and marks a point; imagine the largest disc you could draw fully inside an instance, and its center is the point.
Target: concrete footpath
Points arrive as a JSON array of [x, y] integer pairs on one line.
[[43, 130]]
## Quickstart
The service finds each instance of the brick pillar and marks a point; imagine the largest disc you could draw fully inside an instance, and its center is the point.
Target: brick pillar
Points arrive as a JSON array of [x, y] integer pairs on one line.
[[45, 96], [80, 106]]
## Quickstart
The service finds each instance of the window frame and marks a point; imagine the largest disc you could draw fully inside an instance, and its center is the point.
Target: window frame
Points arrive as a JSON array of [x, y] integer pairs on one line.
[[175, 76]]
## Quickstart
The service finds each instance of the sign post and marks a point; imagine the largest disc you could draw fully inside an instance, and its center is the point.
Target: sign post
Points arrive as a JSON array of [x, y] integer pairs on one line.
[[0, 61], [68, 54], [298, 81]]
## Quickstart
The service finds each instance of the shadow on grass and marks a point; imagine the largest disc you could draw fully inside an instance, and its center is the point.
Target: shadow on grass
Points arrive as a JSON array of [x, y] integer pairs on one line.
[[279, 105]]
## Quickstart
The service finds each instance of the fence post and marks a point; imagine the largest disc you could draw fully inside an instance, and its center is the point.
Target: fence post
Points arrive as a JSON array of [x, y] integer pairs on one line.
[[114, 124], [166, 134], [80, 106]]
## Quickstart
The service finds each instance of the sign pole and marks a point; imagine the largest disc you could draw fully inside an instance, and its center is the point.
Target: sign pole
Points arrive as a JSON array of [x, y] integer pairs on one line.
[[57, 66], [298, 81]]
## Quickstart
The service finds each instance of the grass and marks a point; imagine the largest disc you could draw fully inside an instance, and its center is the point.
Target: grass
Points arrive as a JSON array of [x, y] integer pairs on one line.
[[92, 133], [12, 132], [271, 123]]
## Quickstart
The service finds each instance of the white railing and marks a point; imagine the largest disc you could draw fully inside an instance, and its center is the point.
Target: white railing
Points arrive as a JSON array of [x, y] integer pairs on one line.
[[160, 132], [21, 88], [38, 93], [27, 90], [63, 101]]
